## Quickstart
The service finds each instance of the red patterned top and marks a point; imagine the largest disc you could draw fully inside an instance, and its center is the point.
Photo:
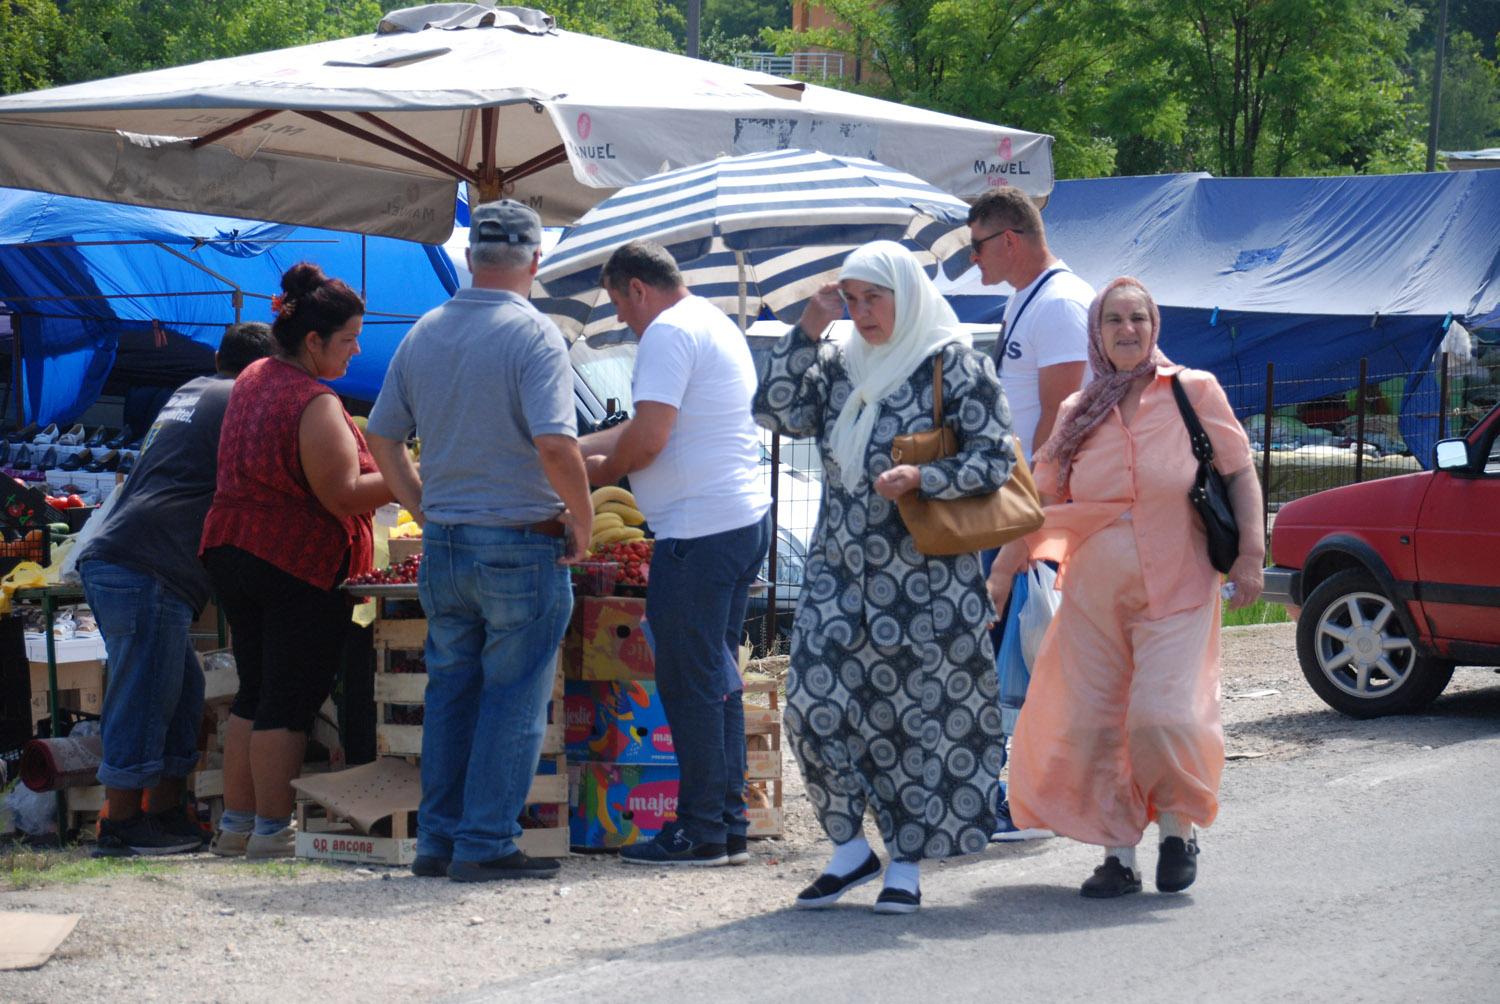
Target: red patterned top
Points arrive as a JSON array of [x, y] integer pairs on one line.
[[263, 503]]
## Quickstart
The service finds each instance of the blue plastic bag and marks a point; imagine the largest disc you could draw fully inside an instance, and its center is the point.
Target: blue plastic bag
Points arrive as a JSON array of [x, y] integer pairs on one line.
[[1010, 662]]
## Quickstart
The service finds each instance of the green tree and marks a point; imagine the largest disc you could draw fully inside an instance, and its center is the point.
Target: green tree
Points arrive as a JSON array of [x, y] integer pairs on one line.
[[655, 24], [1287, 86], [1054, 66], [1469, 116], [31, 34]]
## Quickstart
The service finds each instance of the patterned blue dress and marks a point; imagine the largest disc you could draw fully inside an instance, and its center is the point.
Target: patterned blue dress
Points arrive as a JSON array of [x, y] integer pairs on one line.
[[891, 697]]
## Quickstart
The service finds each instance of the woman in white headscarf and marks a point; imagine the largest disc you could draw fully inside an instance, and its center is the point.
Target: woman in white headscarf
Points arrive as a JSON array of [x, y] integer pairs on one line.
[[891, 698]]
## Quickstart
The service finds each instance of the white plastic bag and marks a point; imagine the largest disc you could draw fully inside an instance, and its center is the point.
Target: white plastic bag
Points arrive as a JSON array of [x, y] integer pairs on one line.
[[1042, 600]]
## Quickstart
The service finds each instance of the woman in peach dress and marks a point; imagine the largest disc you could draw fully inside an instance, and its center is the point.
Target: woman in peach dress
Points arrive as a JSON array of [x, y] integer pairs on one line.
[[1121, 723]]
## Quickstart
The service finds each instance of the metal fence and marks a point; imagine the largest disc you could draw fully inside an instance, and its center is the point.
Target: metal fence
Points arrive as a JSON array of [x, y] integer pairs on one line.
[[1320, 430], [819, 65]]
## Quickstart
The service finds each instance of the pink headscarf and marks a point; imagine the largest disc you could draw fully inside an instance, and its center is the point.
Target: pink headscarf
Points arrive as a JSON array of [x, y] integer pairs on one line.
[[1107, 388]]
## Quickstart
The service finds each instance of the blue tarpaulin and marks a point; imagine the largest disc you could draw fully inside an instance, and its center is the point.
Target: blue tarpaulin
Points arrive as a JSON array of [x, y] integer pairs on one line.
[[80, 274], [1312, 274]]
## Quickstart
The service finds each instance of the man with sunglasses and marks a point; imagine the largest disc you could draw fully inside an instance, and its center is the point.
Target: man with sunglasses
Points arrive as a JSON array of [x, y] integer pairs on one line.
[[1042, 356]]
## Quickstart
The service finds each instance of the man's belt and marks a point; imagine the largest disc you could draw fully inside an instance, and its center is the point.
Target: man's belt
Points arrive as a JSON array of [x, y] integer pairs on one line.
[[547, 527]]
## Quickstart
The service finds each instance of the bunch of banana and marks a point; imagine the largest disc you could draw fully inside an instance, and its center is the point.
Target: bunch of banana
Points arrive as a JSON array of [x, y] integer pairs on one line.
[[616, 518]]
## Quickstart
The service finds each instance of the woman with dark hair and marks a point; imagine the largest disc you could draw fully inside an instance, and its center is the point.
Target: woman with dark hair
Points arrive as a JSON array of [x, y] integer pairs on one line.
[[1121, 722], [291, 519]]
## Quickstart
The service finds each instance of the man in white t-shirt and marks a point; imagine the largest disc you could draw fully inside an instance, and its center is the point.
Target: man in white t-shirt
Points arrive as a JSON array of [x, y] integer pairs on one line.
[[1042, 355], [692, 452]]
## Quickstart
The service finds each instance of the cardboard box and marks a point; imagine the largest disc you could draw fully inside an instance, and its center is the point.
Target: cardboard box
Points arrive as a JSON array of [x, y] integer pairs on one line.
[[617, 721], [66, 651], [615, 805], [614, 641], [356, 848], [402, 548]]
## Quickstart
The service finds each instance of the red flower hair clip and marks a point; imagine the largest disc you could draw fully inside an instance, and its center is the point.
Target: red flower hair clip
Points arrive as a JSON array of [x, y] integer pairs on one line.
[[282, 306]]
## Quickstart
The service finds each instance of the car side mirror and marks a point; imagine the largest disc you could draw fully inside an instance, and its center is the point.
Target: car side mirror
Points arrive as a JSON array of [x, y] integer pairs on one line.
[[1452, 455]]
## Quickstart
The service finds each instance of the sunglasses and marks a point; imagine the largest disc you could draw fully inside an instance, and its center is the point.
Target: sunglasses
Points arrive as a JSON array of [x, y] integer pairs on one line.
[[976, 245]]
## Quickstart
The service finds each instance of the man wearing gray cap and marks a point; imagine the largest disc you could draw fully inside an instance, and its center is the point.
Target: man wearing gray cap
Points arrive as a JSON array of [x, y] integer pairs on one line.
[[503, 498]]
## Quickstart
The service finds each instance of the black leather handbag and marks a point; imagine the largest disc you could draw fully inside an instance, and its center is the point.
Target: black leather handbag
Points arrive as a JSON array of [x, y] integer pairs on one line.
[[1209, 495]]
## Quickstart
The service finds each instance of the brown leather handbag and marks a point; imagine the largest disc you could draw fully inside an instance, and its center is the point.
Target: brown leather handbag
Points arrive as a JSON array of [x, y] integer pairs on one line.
[[974, 522]]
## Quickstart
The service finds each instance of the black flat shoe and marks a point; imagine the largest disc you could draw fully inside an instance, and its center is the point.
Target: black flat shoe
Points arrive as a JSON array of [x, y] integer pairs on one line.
[[103, 462], [897, 901], [23, 435], [516, 865], [1176, 864], [427, 866], [100, 435], [1111, 879], [120, 438], [77, 460], [20, 458], [48, 462], [827, 888]]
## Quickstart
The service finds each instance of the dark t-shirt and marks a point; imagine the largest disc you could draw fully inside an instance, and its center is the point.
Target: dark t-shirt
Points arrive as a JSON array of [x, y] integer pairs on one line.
[[157, 521]]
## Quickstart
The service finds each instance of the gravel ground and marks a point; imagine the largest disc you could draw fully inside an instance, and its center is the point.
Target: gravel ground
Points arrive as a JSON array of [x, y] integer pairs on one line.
[[199, 928]]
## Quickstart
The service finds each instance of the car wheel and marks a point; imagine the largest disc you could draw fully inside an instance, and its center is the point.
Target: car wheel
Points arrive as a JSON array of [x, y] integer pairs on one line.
[[1356, 654]]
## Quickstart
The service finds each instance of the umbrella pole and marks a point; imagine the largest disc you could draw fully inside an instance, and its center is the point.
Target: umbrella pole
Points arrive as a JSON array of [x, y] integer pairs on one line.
[[739, 260]]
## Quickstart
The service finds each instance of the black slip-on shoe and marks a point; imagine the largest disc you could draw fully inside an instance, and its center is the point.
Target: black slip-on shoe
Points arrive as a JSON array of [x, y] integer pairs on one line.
[[1176, 864], [897, 901], [1111, 879], [738, 849], [78, 460], [139, 835], [515, 865], [428, 866], [827, 888], [181, 821]]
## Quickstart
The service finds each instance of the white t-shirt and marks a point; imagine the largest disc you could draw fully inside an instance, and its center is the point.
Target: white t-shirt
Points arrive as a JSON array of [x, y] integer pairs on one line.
[[707, 478], [1054, 329]]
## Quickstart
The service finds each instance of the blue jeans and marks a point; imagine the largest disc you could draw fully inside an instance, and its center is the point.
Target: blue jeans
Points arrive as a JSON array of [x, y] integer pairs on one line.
[[154, 702], [695, 604], [497, 605]]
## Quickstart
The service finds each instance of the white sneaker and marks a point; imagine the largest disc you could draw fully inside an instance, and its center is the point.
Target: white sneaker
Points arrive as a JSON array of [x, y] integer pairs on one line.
[[281, 844], [228, 844]]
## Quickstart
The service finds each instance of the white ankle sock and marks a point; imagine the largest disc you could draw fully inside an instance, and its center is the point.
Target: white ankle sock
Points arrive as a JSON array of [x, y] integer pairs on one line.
[[904, 875], [848, 856], [1125, 854], [1173, 825]]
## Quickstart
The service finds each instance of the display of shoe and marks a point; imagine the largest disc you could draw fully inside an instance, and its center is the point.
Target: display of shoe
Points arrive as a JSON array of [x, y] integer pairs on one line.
[[77, 461], [24, 434], [21, 459], [48, 460], [896, 901], [672, 847], [738, 849], [1007, 831], [515, 865], [1176, 864], [73, 437], [120, 438], [1111, 879], [826, 889], [265, 846], [4, 452], [103, 462], [228, 843], [46, 437], [139, 835], [429, 866], [100, 435], [127, 463]]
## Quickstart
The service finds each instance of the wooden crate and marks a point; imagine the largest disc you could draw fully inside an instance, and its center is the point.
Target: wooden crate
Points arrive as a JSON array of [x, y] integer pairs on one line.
[[764, 811], [396, 640]]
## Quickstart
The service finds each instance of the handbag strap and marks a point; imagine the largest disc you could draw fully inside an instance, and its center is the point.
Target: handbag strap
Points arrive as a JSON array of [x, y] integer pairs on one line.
[[1004, 347], [937, 389], [1203, 447]]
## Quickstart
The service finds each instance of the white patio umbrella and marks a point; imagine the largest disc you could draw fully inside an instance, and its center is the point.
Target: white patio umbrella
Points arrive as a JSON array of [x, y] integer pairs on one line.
[[371, 133], [761, 230]]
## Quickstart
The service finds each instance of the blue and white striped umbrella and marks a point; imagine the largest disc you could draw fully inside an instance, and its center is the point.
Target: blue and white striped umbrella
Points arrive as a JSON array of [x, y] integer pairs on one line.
[[758, 231]]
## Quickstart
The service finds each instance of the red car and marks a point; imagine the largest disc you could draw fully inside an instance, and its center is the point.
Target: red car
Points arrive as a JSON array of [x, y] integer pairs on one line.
[[1397, 580]]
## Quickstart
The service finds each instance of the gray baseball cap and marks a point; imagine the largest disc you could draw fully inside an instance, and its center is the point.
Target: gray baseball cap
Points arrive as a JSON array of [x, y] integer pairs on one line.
[[505, 222]]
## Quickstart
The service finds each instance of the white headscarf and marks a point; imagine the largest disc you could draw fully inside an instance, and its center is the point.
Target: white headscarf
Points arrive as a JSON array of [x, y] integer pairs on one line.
[[924, 324]]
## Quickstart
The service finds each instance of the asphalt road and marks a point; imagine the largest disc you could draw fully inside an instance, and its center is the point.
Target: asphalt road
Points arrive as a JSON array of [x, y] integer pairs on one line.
[[1363, 869]]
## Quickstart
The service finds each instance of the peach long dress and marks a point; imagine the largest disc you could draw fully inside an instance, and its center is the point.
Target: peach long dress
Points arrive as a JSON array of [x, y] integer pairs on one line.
[[1121, 721]]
